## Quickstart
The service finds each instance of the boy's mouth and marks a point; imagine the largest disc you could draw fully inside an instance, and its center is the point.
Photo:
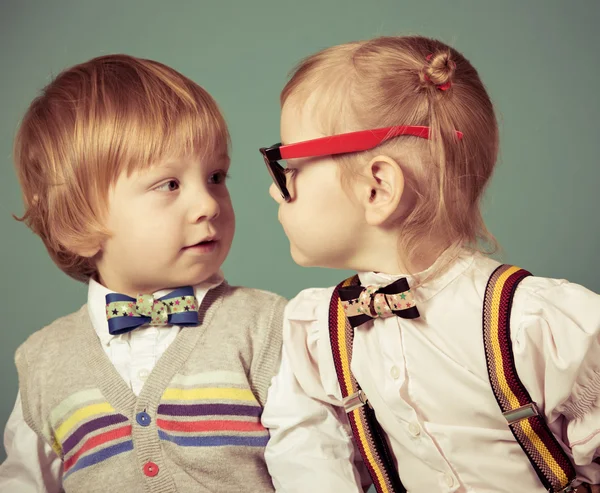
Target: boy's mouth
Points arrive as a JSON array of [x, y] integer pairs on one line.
[[205, 246]]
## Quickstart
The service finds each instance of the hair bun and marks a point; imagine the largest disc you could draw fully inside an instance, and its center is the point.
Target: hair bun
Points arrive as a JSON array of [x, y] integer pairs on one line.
[[439, 70]]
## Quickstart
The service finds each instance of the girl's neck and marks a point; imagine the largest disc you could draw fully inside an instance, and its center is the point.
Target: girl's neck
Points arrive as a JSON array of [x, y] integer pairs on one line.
[[388, 258]]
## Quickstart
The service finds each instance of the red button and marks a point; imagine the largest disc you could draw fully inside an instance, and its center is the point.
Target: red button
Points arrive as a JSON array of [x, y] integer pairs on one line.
[[150, 469]]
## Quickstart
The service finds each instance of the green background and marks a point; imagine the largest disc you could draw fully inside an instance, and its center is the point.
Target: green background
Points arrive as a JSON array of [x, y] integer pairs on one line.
[[539, 60]]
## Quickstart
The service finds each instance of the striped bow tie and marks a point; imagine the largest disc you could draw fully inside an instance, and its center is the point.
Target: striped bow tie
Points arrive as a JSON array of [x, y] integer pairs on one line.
[[179, 307], [362, 304]]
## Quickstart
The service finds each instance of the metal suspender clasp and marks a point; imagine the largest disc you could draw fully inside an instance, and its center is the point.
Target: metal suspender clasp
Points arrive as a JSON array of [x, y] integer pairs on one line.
[[569, 489], [521, 413], [354, 401]]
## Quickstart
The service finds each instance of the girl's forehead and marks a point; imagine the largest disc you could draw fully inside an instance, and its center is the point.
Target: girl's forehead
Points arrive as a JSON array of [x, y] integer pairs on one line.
[[300, 120]]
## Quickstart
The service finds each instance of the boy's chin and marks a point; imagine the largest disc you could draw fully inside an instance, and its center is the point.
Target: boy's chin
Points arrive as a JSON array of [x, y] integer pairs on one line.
[[204, 277], [194, 277]]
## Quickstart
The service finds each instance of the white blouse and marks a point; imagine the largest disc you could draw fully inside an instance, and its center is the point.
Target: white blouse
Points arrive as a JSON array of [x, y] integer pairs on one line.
[[427, 381]]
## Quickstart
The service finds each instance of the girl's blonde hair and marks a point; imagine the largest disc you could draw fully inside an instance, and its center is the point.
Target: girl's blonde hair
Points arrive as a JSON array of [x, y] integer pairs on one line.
[[94, 121], [412, 80]]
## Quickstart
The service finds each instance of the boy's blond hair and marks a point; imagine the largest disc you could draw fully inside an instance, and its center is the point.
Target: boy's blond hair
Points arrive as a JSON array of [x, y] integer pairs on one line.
[[112, 114], [412, 80]]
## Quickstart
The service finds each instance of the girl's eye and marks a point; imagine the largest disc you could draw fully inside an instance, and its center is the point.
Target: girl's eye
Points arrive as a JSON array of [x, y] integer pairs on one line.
[[169, 186], [289, 174], [218, 177]]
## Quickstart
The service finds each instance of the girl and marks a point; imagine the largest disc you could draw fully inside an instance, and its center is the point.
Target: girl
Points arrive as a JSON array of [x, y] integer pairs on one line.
[[390, 144]]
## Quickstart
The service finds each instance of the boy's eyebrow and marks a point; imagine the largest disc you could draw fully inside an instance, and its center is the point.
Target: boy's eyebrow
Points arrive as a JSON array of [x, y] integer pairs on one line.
[[169, 165], [176, 163]]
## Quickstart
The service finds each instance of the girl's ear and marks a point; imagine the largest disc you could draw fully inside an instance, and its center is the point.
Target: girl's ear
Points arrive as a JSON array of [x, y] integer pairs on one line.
[[381, 194]]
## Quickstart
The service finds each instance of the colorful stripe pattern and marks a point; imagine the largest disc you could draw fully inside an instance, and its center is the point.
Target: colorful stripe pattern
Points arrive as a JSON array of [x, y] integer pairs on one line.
[[367, 433], [547, 457], [86, 430], [214, 409]]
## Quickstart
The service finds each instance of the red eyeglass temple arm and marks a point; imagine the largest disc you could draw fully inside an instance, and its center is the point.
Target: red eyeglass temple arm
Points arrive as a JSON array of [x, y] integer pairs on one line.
[[351, 142]]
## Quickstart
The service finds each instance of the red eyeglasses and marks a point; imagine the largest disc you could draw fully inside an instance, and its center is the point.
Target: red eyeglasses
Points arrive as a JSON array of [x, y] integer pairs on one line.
[[334, 144]]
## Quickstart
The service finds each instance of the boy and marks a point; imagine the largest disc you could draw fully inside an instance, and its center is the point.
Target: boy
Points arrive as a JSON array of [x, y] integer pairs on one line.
[[157, 383]]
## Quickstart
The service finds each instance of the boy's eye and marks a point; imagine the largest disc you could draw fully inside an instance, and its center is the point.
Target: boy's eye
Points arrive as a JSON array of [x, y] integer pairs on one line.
[[169, 186], [218, 177]]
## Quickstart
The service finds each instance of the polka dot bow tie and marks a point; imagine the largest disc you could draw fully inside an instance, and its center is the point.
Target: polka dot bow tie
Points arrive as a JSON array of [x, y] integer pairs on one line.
[[124, 313], [363, 303]]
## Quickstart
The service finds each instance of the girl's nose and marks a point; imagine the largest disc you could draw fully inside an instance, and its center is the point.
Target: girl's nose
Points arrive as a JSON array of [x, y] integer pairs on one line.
[[275, 194]]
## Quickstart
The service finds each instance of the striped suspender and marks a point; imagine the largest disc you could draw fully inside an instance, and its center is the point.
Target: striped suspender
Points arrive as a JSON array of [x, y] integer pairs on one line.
[[549, 460], [367, 433], [551, 463]]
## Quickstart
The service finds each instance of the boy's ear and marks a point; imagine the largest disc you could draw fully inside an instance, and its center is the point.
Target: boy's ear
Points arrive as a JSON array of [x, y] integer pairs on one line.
[[383, 190], [88, 252], [86, 249]]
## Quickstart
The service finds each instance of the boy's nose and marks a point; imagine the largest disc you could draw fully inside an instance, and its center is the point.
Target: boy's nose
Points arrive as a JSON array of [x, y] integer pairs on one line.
[[206, 207]]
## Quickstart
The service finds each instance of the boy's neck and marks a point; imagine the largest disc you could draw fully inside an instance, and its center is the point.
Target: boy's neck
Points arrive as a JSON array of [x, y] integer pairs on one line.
[[133, 291]]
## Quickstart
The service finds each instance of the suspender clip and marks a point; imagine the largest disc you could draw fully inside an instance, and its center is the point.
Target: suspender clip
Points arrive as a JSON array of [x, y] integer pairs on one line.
[[354, 401], [570, 489], [524, 412]]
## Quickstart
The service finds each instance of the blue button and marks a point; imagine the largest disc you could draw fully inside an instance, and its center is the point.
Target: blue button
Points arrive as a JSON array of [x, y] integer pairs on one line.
[[143, 418]]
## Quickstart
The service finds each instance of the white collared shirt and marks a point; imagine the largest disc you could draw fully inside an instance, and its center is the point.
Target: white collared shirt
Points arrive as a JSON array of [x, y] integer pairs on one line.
[[427, 381], [31, 465]]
